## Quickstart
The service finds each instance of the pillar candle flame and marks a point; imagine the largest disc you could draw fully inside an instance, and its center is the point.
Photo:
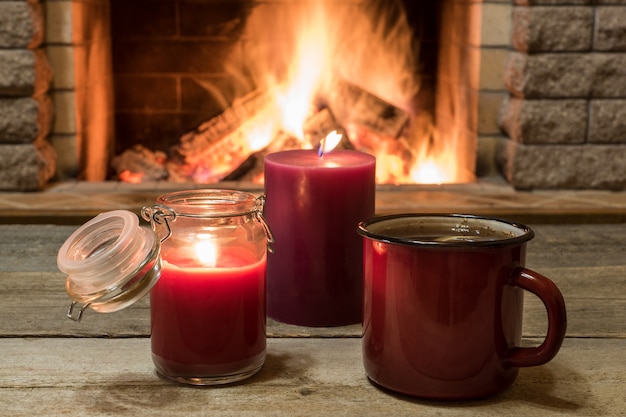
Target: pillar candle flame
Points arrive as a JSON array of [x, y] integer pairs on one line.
[[329, 143]]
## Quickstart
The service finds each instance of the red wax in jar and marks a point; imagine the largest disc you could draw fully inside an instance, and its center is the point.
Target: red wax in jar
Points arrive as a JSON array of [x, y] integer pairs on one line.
[[209, 321], [313, 207]]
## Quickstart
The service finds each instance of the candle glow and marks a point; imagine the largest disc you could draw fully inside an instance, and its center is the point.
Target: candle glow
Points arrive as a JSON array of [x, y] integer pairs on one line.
[[206, 252]]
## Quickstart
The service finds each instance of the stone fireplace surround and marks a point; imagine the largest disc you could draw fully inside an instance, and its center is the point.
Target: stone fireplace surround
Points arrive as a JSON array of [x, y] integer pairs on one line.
[[547, 100]]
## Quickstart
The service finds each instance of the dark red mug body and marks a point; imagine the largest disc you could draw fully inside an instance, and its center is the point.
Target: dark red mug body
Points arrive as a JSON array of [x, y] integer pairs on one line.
[[443, 320]]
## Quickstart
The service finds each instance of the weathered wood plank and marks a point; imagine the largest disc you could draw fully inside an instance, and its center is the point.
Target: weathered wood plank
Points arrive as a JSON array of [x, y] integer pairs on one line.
[[55, 377], [595, 298], [88, 371], [587, 262], [530, 208], [577, 245], [35, 246], [31, 247], [35, 303]]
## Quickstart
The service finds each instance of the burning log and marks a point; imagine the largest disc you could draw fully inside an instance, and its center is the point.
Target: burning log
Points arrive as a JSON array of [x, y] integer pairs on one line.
[[252, 168], [318, 126], [220, 148], [218, 127], [220, 145], [352, 104], [223, 147]]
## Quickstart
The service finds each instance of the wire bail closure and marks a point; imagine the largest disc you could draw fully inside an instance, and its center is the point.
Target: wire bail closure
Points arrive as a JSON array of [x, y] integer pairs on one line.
[[80, 310], [260, 203], [158, 215]]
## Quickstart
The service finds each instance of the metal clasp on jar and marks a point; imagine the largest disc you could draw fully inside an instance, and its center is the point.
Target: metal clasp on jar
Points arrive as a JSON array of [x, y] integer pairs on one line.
[[157, 216], [260, 203]]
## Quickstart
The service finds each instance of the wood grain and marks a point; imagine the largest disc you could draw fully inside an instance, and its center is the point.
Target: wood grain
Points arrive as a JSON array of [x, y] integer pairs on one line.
[[587, 262], [52, 366], [55, 377]]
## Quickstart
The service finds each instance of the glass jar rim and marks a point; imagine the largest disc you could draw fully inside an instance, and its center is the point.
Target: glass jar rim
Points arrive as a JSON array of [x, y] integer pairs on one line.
[[210, 202]]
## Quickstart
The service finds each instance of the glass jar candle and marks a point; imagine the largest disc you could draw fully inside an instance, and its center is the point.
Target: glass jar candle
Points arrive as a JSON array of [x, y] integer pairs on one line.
[[207, 308]]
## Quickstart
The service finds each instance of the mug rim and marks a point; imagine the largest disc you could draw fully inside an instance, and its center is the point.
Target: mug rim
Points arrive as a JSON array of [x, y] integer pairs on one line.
[[526, 232]]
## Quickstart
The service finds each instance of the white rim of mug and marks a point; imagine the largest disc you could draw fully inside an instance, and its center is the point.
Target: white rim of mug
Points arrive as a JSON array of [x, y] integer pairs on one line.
[[527, 232]]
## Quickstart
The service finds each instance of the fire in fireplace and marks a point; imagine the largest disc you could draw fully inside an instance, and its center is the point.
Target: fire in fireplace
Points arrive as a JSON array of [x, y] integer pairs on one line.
[[290, 73], [532, 90]]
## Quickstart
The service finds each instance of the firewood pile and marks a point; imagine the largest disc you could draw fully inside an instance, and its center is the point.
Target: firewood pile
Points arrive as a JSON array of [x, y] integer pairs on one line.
[[221, 149]]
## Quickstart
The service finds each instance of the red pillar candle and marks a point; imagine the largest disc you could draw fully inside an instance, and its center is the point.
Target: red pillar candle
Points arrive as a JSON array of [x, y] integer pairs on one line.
[[313, 206], [208, 321]]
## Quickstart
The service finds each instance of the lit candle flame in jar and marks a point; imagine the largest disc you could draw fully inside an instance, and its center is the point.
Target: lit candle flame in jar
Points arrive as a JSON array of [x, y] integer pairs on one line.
[[206, 252], [329, 142]]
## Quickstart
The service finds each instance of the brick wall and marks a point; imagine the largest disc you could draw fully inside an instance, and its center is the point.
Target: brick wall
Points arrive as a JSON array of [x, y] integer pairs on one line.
[[27, 161], [566, 113], [168, 62]]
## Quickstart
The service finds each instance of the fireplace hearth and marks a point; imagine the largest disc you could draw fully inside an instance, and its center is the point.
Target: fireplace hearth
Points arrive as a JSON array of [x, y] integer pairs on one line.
[[539, 89]]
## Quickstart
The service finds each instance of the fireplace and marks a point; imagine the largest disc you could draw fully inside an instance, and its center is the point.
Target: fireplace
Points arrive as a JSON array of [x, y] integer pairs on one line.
[[279, 75], [527, 92]]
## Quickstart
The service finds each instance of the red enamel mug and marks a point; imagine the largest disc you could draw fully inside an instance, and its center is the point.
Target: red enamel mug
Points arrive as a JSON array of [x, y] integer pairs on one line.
[[443, 305]]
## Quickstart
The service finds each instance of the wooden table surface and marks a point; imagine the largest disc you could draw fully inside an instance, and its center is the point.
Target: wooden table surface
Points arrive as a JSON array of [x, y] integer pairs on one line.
[[51, 366]]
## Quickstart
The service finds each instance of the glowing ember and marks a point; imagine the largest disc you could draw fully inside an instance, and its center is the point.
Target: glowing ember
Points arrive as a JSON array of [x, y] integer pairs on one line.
[[131, 177]]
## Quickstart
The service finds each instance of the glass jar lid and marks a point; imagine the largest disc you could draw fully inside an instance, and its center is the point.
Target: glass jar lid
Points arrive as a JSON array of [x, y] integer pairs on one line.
[[110, 263]]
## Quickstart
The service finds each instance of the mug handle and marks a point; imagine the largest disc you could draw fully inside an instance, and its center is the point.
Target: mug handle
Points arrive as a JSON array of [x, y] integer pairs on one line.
[[552, 299]]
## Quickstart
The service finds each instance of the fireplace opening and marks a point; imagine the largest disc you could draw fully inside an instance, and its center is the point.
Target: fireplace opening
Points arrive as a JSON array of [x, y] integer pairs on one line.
[[397, 79], [202, 90], [533, 93]]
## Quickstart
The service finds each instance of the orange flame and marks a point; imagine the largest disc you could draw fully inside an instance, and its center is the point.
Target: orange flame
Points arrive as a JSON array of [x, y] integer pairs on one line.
[[330, 142], [428, 173], [298, 50]]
